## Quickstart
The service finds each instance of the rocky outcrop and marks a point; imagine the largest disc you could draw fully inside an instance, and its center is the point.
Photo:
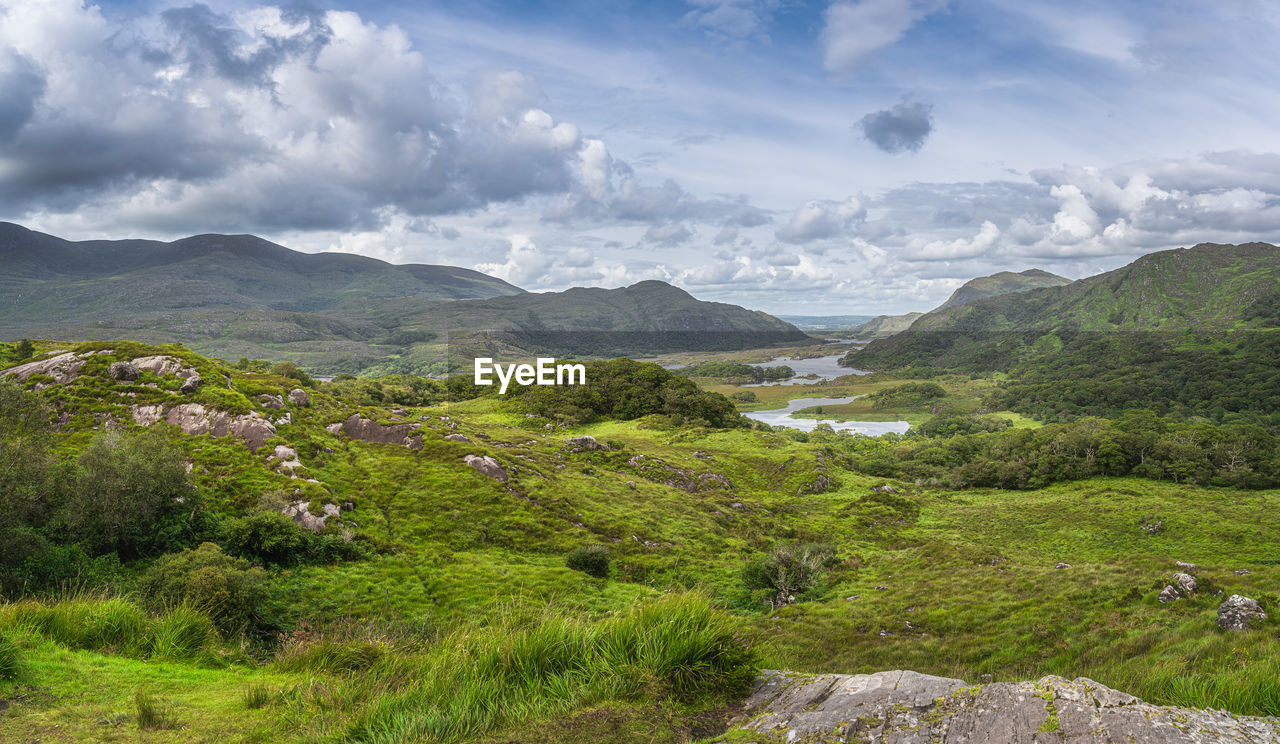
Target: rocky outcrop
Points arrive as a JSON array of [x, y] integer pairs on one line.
[[274, 402], [164, 365], [368, 430], [194, 419], [123, 371], [903, 707], [299, 398], [286, 460], [300, 512], [457, 437], [585, 443], [61, 368], [1239, 613], [487, 466], [190, 385]]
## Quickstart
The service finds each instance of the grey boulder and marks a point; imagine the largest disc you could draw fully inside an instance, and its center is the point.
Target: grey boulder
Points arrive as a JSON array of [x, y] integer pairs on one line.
[[1238, 612]]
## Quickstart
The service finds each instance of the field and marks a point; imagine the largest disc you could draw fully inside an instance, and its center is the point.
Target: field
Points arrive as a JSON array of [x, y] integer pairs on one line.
[[467, 568]]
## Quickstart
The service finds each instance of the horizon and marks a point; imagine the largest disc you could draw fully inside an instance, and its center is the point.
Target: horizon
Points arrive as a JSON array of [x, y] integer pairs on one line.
[[827, 158]]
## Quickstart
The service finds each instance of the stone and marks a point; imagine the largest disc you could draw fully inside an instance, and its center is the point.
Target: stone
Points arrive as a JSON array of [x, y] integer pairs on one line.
[[195, 419], [299, 398], [487, 466], [884, 489], [334, 428], [123, 371], [368, 430], [905, 707], [62, 368], [1186, 583], [286, 459], [1062, 565], [631, 485], [1153, 528], [162, 365], [1169, 594], [457, 437], [819, 484], [298, 511], [702, 456], [274, 402], [586, 443], [1242, 572], [1188, 567], [1238, 612], [190, 385]]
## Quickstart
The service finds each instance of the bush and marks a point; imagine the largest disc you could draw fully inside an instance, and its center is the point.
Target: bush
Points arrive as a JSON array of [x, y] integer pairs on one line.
[[592, 560], [269, 536], [743, 396], [230, 590], [787, 572]]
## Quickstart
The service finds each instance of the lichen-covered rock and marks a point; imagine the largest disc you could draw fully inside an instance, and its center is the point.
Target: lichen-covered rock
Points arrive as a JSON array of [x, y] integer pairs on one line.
[[123, 371], [163, 364], [457, 437], [1238, 612], [903, 707], [820, 483], [286, 460], [1188, 567], [586, 443], [274, 402], [300, 512], [368, 430], [190, 385], [487, 466], [195, 419], [334, 428], [1186, 583], [1169, 594], [299, 398], [62, 368]]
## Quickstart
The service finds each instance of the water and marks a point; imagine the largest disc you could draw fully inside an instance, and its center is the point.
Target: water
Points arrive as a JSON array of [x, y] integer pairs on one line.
[[782, 417], [825, 367]]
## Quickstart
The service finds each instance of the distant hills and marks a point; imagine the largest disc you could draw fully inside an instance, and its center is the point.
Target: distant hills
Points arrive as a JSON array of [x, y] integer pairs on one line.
[[1004, 282], [1207, 288], [240, 295]]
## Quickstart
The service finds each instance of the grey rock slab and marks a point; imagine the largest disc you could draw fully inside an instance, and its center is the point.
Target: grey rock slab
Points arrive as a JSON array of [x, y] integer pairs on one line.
[[904, 707]]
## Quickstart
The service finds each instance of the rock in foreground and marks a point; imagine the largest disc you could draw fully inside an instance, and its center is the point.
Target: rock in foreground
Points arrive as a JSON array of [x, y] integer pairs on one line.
[[902, 707]]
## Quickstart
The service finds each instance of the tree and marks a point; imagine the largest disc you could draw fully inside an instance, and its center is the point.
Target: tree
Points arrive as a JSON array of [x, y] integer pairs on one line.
[[25, 349]]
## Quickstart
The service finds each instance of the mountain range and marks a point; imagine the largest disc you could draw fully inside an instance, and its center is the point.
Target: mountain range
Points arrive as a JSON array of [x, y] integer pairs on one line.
[[240, 295]]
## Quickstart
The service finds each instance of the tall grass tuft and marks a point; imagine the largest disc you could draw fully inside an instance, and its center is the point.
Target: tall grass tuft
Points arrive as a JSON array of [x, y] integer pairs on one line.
[[474, 682], [12, 668], [256, 696], [151, 714], [180, 633]]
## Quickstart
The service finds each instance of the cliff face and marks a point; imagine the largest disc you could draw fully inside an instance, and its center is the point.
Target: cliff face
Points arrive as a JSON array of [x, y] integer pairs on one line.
[[903, 707]]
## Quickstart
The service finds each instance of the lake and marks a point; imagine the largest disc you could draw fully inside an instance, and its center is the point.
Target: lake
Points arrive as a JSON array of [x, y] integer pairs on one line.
[[782, 417], [825, 367]]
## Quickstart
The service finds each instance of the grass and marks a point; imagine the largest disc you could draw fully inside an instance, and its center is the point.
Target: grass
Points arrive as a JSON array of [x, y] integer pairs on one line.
[[470, 587]]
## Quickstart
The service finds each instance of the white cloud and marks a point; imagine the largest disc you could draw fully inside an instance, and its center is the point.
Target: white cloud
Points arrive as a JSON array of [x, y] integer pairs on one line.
[[816, 220], [525, 264], [857, 29]]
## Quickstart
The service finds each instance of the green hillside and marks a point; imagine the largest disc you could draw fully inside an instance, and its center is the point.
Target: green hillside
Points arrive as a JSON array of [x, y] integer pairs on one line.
[[621, 588], [1190, 332], [1001, 283], [236, 296]]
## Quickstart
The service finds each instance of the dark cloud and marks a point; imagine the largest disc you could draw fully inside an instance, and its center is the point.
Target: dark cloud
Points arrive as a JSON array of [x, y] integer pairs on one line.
[[904, 127], [21, 85]]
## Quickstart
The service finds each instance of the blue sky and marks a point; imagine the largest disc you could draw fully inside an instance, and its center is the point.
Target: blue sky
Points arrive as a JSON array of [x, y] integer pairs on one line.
[[857, 156]]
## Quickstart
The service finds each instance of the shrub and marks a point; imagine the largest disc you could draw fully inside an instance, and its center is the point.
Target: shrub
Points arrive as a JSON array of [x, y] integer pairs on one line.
[[151, 714], [592, 560], [787, 572], [269, 536], [743, 396], [230, 590]]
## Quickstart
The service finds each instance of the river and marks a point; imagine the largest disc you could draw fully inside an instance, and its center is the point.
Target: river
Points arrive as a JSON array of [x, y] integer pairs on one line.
[[782, 417]]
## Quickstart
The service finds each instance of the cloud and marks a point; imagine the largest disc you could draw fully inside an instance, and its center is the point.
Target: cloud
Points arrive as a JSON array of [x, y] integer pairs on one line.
[[261, 119], [903, 127], [856, 30], [525, 264], [670, 234], [816, 220], [732, 20]]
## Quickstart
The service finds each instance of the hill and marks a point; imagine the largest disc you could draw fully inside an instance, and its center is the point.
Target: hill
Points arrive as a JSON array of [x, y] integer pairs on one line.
[[483, 569], [239, 295], [825, 322], [1189, 332], [1004, 282], [882, 326]]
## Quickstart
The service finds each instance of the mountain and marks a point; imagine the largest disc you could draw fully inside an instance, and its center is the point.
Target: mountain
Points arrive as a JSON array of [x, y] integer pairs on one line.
[[53, 283], [1004, 282], [240, 295], [884, 325], [825, 322], [1188, 333]]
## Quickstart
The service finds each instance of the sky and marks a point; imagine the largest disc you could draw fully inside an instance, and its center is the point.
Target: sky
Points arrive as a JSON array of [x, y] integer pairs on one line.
[[816, 158]]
